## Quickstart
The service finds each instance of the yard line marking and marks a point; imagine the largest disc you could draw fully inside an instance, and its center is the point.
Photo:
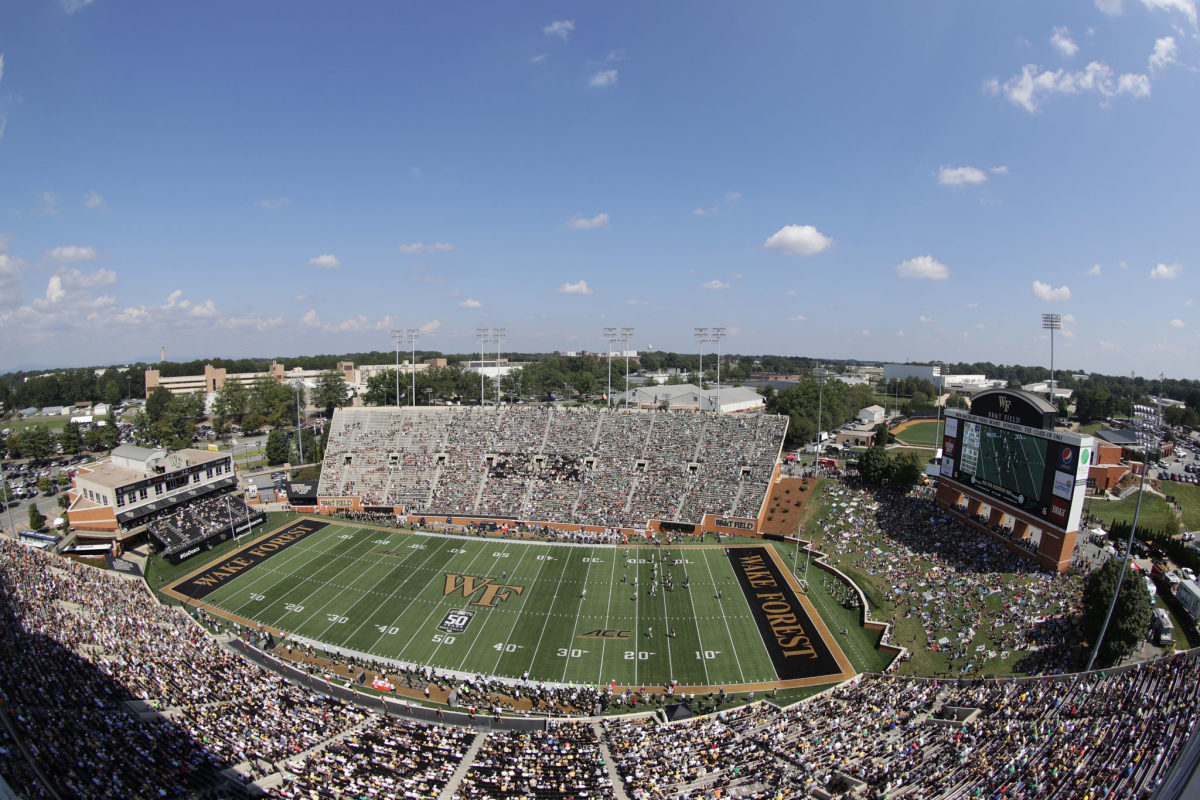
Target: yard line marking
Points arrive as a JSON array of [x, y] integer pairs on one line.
[[575, 626], [725, 619], [695, 619], [607, 610], [518, 611], [546, 622], [488, 617]]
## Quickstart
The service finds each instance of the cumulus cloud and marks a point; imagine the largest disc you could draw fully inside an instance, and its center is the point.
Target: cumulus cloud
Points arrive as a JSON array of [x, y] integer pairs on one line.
[[1034, 86], [11, 269], [327, 261], [430, 327], [704, 212], [469, 303], [1110, 7], [562, 28], [1176, 323], [574, 288], [582, 223], [1095, 270], [961, 176], [923, 267], [1166, 271], [70, 254], [798, 240], [273, 203], [94, 201], [1185, 7], [603, 78], [1048, 294], [1061, 39], [420, 248], [1165, 51], [311, 319], [926, 319], [714, 284]]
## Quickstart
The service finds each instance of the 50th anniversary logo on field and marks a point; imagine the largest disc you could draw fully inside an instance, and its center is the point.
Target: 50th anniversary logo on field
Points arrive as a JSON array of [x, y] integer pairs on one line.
[[456, 621]]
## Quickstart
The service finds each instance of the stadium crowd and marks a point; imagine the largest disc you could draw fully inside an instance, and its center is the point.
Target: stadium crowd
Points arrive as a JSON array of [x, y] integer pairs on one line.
[[552, 464], [195, 522], [563, 761]]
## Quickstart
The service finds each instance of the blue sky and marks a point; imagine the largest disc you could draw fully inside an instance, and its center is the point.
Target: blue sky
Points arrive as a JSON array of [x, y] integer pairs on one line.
[[883, 181]]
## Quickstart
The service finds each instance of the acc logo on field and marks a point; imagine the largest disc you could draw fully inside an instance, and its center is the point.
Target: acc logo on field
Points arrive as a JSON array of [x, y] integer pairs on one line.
[[456, 621]]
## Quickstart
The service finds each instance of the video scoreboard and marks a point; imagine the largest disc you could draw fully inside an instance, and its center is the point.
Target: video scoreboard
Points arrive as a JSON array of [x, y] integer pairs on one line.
[[1042, 473]]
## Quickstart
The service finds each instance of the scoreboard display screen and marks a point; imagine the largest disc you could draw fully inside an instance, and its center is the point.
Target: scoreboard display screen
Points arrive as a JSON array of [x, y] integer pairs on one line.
[[1034, 471]]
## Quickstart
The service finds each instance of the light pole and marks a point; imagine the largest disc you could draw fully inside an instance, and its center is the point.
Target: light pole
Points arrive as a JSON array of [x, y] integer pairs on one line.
[[7, 500], [497, 335], [819, 374], [397, 334], [1147, 420], [627, 337], [717, 335], [299, 430], [229, 511], [413, 333], [482, 334], [611, 335], [1052, 323]]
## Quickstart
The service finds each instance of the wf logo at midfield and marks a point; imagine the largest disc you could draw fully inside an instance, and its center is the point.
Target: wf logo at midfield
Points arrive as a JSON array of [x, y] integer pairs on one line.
[[489, 593]]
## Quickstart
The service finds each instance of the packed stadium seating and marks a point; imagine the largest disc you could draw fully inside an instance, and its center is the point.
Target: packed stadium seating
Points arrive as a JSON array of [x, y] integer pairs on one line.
[[78, 644], [546, 464], [195, 522]]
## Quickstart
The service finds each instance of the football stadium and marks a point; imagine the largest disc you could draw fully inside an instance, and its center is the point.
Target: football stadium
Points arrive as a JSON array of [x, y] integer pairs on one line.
[[536, 601]]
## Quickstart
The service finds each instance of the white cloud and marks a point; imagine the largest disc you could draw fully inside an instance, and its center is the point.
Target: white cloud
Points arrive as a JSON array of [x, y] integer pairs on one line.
[[1048, 294], [49, 208], [926, 319], [1034, 86], [636, 303], [1164, 53], [11, 269], [1062, 40], [798, 240], [1166, 271], [469, 303], [1176, 323], [923, 267], [960, 176], [715, 285], [205, 309], [1095, 270], [562, 28], [574, 288], [71, 6], [1185, 7], [273, 203], [797, 318], [1110, 7], [603, 78], [1000, 170], [71, 253], [173, 298], [94, 200], [430, 327], [310, 319], [582, 223], [420, 248], [539, 58], [327, 261], [704, 212], [733, 197]]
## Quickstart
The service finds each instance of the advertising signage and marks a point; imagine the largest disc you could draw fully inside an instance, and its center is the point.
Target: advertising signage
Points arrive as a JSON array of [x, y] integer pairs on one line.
[[1041, 473]]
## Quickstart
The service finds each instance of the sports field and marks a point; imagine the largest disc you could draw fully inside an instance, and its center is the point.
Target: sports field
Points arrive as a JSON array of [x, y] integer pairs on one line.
[[560, 613], [920, 433]]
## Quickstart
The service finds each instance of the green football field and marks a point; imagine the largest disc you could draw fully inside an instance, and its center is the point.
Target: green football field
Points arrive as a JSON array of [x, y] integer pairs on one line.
[[557, 612]]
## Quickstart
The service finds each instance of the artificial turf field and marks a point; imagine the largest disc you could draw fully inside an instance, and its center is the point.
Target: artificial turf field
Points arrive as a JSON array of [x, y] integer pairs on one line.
[[557, 612]]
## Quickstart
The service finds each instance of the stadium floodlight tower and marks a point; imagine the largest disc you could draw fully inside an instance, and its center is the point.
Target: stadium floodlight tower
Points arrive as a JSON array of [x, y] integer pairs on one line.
[[397, 335], [821, 375], [701, 335], [612, 336], [4, 496], [1147, 421], [412, 334], [299, 384], [483, 334], [717, 335], [627, 338], [1052, 323], [497, 335]]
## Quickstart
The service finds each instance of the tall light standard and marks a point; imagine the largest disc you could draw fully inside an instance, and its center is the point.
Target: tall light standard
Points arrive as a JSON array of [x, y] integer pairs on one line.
[[1147, 419], [412, 334], [1052, 323], [611, 335], [397, 335], [627, 338], [482, 334], [701, 335], [7, 501], [717, 335], [497, 335], [299, 430], [819, 374]]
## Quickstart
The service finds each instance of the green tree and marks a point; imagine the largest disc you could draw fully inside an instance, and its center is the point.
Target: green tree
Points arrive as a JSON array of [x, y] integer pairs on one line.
[[46, 486], [37, 443], [1131, 616], [381, 389], [330, 391], [64, 500], [311, 453], [5, 494], [157, 403], [875, 466], [277, 447], [906, 470], [36, 520], [230, 402], [71, 439]]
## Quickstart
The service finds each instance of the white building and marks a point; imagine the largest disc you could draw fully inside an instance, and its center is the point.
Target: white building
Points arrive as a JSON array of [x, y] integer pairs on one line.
[[733, 399]]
